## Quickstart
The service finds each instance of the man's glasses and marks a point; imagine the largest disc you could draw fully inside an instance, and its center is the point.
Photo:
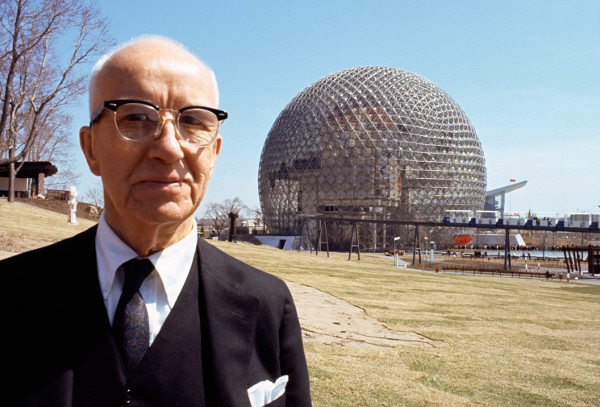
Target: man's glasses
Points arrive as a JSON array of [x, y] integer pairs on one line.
[[141, 122]]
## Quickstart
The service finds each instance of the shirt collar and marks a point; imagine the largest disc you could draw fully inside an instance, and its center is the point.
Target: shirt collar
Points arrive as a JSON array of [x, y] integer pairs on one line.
[[172, 263]]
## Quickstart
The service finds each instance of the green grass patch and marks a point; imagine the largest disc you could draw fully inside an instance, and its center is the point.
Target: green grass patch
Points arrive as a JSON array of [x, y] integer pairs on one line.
[[518, 396], [441, 385], [585, 289], [561, 383]]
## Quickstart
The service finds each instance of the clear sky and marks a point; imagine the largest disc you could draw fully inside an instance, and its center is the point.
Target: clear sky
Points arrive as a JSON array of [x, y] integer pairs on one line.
[[527, 73]]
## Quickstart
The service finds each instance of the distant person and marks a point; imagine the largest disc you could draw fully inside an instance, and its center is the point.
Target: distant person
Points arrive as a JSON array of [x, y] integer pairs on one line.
[[138, 310]]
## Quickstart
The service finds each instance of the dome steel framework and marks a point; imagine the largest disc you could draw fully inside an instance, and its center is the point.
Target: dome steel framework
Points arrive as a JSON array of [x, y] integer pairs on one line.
[[374, 141]]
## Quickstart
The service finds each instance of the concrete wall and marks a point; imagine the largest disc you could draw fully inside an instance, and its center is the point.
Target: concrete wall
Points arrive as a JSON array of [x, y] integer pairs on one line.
[[275, 241], [20, 184]]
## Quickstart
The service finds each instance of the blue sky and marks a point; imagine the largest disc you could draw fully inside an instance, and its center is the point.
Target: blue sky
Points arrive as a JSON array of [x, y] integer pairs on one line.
[[526, 73]]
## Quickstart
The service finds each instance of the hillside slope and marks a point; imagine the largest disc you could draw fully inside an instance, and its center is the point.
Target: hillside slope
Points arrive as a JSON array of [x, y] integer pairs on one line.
[[25, 227]]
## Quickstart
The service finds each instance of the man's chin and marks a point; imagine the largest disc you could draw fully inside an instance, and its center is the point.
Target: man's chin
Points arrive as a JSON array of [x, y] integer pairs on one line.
[[166, 213]]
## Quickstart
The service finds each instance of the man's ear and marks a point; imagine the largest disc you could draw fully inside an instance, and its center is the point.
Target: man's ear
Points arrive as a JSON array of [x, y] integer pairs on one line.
[[218, 145], [217, 150], [86, 141]]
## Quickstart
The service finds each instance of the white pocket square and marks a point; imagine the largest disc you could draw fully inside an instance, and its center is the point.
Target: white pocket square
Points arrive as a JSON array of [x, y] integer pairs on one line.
[[266, 391]]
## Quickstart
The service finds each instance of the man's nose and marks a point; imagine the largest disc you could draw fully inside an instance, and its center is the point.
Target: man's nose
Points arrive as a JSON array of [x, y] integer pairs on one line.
[[167, 146]]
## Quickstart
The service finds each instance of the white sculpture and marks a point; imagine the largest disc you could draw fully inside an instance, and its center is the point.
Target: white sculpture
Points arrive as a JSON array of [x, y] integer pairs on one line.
[[73, 207]]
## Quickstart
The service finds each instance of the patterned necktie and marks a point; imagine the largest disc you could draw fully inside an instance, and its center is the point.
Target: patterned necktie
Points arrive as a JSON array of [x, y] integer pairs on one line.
[[130, 326]]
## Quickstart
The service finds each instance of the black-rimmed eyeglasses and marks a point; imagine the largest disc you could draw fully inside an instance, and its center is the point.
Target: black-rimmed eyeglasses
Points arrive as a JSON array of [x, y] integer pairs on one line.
[[141, 122]]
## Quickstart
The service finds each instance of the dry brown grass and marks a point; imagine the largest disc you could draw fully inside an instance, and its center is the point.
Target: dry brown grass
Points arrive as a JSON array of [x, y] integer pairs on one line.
[[498, 341], [24, 227]]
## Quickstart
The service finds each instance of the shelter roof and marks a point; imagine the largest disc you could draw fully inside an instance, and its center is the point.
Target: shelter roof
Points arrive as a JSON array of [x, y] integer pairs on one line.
[[31, 169], [505, 189]]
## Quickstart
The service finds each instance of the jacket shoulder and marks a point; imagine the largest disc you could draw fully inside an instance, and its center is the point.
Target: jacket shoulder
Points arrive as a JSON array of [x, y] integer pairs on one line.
[[244, 276]]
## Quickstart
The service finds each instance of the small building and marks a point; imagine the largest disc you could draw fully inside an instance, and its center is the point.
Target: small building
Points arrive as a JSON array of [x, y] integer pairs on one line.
[[206, 227], [29, 181], [254, 226], [497, 240]]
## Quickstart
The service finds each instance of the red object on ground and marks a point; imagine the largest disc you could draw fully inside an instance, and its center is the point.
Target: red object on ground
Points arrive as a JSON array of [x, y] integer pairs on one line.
[[461, 240]]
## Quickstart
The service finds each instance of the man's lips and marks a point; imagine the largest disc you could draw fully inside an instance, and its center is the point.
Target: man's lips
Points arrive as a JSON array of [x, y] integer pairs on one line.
[[161, 183]]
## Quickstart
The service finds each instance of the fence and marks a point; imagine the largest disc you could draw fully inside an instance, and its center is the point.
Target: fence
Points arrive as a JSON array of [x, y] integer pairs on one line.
[[499, 273], [58, 195]]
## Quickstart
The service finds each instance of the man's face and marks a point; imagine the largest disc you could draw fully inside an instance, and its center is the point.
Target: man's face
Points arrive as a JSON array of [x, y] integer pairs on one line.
[[161, 182]]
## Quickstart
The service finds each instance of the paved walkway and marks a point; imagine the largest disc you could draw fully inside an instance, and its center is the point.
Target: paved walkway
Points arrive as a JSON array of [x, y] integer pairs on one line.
[[330, 320]]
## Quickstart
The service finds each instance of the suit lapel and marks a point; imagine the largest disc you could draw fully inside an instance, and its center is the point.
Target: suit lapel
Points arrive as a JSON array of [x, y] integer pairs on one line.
[[228, 323]]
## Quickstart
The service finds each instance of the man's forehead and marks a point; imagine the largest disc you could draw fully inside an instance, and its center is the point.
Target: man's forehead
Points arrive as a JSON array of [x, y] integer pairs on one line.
[[150, 63], [155, 68]]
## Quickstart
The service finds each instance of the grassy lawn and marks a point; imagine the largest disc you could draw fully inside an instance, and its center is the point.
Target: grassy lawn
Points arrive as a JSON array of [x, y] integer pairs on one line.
[[24, 227], [499, 341]]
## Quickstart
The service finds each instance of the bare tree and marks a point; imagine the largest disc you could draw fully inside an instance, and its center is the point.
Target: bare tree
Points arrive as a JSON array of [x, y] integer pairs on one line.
[[42, 43], [219, 220], [219, 212], [52, 139], [94, 195], [64, 179], [54, 144], [257, 214]]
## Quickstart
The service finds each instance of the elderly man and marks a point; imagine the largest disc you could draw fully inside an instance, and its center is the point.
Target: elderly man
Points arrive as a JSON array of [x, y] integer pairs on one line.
[[138, 310]]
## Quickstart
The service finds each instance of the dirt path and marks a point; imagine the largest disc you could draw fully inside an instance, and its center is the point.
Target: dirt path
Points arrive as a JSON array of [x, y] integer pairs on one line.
[[329, 320]]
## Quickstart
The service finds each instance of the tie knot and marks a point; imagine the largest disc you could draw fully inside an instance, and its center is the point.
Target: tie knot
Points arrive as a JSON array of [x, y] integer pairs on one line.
[[136, 271]]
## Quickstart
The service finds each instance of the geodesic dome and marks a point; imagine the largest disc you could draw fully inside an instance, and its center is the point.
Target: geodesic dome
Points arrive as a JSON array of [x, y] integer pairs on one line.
[[372, 141]]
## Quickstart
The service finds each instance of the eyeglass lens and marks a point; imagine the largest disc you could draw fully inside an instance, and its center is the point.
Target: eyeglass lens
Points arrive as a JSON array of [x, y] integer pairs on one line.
[[140, 122]]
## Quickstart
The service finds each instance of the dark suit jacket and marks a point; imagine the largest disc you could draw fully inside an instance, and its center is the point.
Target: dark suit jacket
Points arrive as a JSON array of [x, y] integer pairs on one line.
[[56, 315]]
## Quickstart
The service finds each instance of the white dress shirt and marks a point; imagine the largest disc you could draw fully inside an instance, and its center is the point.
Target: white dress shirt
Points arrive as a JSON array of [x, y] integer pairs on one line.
[[160, 289]]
